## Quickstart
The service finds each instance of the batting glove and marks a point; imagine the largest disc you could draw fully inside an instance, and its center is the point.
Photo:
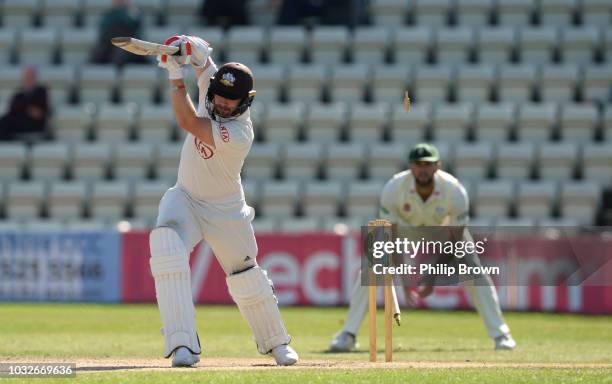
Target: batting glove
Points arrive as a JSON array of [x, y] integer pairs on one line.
[[200, 50], [175, 70]]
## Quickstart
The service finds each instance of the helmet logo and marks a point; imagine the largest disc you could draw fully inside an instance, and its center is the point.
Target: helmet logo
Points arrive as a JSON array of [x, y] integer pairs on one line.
[[228, 79]]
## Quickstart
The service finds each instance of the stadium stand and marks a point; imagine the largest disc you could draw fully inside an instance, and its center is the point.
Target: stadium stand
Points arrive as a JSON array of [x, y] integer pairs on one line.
[[517, 95]]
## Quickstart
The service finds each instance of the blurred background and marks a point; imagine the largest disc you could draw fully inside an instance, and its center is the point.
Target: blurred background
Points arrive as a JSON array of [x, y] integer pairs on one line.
[[516, 94]]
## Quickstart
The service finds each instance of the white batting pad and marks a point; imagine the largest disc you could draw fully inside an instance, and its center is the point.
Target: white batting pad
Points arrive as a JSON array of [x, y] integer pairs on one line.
[[252, 292], [170, 268]]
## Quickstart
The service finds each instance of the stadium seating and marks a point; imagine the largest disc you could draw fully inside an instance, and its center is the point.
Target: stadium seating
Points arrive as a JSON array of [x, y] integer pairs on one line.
[[12, 160], [412, 45], [324, 122], [244, 44], [494, 122], [536, 200], [24, 200], [557, 12], [385, 160], [579, 201], [261, 164], [76, 44], [597, 163], [305, 82], [59, 13], [301, 161], [109, 199], [344, 161], [389, 82], [388, 12], [283, 121], [369, 45], [278, 198], [348, 83], [19, 13], [66, 200], [91, 161], [474, 83], [146, 198], [328, 45], [48, 162], [38, 45], [471, 162], [431, 12], [367, 122], [557, 161], [410, 127], [516, 94], [454, 45], [493, 199], [286, 45], [515, 83], [558, 83], [515, 12], [321, 199]]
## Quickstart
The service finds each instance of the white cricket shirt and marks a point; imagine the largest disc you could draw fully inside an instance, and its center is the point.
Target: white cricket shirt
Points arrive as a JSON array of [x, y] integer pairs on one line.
[[213, 175], [401, 203]]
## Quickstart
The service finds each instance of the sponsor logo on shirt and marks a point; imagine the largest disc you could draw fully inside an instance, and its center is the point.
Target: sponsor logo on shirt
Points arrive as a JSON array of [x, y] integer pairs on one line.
[[224, 134], [439, 210], [203, 149], [407, 207]]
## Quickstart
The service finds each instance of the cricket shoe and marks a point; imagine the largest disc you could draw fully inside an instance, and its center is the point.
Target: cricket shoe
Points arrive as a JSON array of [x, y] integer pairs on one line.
[[343, 342], [285, 355], [505, 342], [184, 358]]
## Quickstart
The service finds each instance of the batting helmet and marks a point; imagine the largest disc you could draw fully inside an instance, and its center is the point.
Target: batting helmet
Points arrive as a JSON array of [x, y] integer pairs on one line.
[[233, 81]]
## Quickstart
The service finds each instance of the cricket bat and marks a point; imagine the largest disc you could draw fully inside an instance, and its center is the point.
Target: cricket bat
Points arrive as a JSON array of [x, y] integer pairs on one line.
[[144, 48]]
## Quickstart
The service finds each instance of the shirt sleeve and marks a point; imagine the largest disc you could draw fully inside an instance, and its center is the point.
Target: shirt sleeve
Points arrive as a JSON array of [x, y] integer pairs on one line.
[[204, 81], [387, 209], [460, 207]]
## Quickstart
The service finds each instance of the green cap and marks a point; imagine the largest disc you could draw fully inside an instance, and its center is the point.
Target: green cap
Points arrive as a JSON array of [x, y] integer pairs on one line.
[[424, 152]]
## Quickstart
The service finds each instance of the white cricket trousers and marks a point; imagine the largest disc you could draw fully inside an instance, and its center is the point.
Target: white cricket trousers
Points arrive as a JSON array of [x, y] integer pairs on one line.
[[225, 226]]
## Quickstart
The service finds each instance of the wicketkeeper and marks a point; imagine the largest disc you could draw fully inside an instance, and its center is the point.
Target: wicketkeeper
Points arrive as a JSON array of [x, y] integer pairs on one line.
[[425, 195], [207, 203]]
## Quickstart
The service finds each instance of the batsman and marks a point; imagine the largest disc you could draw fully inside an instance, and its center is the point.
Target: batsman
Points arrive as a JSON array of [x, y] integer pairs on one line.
[[425, 195], [207, 203]]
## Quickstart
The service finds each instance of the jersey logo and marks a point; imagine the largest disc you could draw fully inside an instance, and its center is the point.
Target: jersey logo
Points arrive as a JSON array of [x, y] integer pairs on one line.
[[407, 207], [439, 210], [225, 134], [203, 149]]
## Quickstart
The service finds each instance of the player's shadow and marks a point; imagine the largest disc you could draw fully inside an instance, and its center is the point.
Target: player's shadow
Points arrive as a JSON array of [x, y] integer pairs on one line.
[[400, 349], [118, 368], [440, 349], [269, 365], [329, 351]]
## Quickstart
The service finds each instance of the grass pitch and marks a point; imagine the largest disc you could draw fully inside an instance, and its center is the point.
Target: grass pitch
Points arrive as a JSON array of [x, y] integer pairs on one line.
[[122, 344]]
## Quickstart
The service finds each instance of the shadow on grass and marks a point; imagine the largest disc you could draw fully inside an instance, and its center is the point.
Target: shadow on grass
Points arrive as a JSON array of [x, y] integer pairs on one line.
[[400, 349], [119, 368]]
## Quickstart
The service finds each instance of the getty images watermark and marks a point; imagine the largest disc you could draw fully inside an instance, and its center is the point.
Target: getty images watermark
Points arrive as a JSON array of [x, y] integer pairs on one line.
[[511, 256], [410, 249]]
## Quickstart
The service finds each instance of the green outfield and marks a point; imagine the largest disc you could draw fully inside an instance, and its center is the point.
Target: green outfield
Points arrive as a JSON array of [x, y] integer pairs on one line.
[[122, 343]]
